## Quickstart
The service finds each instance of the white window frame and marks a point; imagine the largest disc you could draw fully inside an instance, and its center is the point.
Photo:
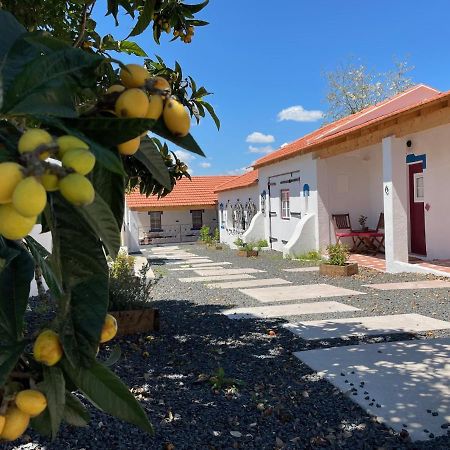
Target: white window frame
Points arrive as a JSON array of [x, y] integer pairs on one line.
[[285, 204], [152, 228], [418, 199]]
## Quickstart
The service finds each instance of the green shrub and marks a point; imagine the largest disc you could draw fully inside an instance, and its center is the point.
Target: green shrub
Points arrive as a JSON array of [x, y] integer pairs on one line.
[[216, 236], [239, 243], [312, 255], [128, 290], [204, 234], [337, 254], [261, 244]]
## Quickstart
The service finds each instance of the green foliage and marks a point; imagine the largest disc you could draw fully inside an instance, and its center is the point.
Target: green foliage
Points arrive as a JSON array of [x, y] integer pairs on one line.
[[53, 71], [261, 244], [362, 221], [312, 255], [338, 254], [216, 235], [204, 234], [219, 380], [127, 290]]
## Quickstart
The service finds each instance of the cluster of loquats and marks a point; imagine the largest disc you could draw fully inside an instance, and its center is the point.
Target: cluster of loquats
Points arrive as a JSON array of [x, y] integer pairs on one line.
[[46, 165], [145, 97], [19, 407]]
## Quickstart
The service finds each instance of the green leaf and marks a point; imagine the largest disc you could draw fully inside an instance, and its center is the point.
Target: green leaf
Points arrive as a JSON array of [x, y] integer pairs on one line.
[[9, 355], [15, 279], [47, 85], [186, 142], [195, 8], [149, 155], [131, 48], [42, 423], [113, 357], [54, 388], [102, 221], [106, 391], [111, 131], [75, 413], [42, 257], [11, 31], [145, 17], [212, 113]]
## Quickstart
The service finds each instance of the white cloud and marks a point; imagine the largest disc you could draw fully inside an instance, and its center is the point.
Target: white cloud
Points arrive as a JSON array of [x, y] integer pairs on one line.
[[239, 171], [205, 165], [299, 114], [184, 156], [264, 150], [284, 144], [259, 138]]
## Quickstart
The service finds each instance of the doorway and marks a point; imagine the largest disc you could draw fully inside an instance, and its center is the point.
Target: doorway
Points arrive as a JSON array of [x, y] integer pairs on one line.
[[416, 209]]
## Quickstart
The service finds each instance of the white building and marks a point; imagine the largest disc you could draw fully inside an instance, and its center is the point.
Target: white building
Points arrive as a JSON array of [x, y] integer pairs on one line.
[[238, 201], [177, 217], [391, 158]]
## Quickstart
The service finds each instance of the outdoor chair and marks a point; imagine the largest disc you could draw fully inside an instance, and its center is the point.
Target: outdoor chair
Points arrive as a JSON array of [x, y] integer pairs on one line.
[[343, 229], [372, 241]]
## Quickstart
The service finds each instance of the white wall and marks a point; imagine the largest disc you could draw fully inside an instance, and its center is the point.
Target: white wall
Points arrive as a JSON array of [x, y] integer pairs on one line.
[[435, 143], [299, 166], [227, 234]]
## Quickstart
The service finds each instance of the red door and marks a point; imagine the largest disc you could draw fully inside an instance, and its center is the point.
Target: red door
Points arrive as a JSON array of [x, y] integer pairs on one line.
[[416, 209]]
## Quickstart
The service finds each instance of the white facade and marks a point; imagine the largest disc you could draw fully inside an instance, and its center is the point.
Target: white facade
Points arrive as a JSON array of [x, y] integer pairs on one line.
[[176, 226], [367, 181], [237, 209]]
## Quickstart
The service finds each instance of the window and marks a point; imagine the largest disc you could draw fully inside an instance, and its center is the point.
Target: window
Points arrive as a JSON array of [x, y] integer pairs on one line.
[[285, 204], [155, 220], [418, 188], [197, 219]]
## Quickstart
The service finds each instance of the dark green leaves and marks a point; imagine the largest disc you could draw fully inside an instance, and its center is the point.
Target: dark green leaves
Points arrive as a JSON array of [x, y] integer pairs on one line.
[[131, 48], [9, 355], [102, 221], [106, 391], [74, 412], [186, 142], [15, 279], [195, 8], [11, 30], [145, 17], [149, 155], [54, 387]]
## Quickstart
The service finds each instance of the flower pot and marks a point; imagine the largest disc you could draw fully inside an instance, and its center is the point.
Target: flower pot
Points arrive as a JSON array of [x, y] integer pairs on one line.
[[136, 321], [248, 253], [338, 271]]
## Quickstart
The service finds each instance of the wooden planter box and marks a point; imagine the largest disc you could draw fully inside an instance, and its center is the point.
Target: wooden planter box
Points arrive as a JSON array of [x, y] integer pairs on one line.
[[248, 253], [136, 321], [338, 271]]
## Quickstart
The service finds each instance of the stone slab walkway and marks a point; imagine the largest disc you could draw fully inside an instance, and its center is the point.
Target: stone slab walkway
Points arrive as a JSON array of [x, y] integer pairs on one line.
[[404, 384], [207, 265], [302, 269], [366, 326], [260, 312], [191, 261], [249, 283], [209, 272], [297, 292], [426, 284], [216, 278], [178, 269]]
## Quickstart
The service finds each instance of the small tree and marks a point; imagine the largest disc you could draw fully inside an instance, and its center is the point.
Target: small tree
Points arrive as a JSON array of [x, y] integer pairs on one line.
[[353, 87]]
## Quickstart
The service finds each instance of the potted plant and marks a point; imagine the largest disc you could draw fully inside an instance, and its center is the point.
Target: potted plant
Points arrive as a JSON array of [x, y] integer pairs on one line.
[[246, 249], [362, 222], [337, 264], [130, 296], [216, 239]]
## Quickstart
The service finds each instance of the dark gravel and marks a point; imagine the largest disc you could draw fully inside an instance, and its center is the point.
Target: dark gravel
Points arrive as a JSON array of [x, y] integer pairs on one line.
[[278, 401]]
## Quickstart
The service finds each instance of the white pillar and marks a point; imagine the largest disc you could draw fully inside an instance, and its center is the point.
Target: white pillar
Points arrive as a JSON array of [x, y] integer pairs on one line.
[[395, 202]]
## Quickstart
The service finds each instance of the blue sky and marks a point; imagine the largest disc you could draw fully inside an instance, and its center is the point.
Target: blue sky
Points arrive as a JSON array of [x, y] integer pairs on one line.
[[261, 57]]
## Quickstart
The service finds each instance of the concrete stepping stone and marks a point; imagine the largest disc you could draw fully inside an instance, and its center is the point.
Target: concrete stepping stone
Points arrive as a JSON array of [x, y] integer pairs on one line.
[[302, 269], [428, 284], [261, 312], [404, 384], [366, 326], [208, 265], [188, 268], [165, 249], [297, 292], [215, 271], [191, 261], [249, 283], [216, 278]]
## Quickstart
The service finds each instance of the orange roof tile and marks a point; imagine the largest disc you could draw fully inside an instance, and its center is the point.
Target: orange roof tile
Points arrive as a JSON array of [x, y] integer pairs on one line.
[[411, 98], [196, 192], [247, 179]]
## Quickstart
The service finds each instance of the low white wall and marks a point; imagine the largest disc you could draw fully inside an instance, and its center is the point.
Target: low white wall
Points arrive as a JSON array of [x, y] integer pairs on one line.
[[255, 231], [304, 238]]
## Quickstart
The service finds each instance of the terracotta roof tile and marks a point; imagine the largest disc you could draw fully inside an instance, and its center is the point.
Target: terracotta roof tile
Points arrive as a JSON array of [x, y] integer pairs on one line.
[[247, 179], [405, 101], [196, 192]]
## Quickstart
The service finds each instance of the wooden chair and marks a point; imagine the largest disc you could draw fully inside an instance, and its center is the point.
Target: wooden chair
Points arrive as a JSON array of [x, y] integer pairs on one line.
[[343, 229], [373, 240]]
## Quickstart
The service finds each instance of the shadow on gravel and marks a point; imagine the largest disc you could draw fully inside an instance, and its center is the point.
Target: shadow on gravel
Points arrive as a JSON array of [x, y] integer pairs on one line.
[[268, 400]]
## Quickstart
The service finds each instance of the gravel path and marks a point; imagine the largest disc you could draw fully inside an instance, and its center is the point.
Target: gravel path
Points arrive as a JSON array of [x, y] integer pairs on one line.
[[277, 402]]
